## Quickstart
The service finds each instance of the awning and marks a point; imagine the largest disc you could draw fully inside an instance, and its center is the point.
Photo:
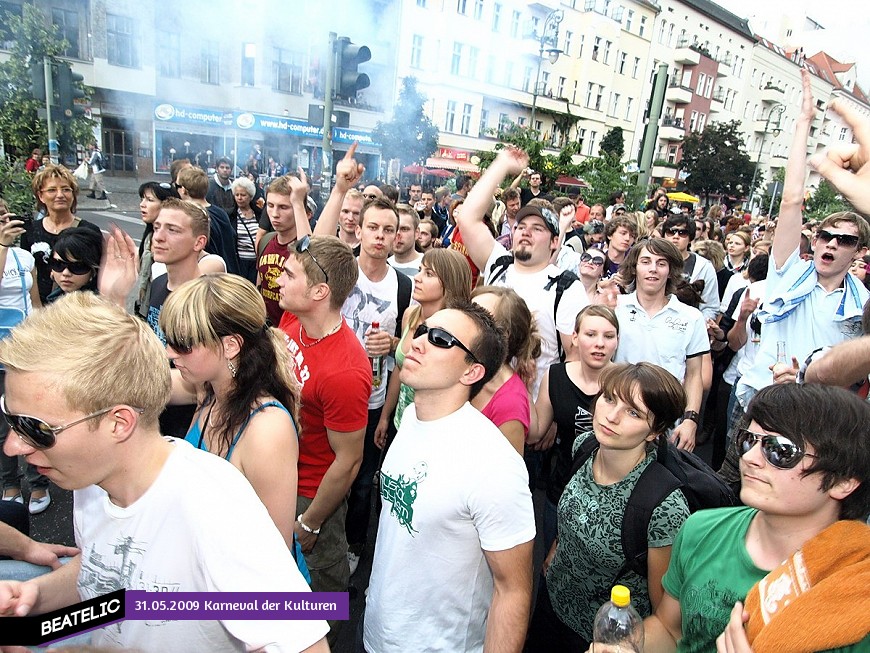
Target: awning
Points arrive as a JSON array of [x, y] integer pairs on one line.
[[450, 164], [565, 180]]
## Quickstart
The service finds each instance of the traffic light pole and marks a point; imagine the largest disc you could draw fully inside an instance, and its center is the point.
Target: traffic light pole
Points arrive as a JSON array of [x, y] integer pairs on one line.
[[49, 96], [326, 162]]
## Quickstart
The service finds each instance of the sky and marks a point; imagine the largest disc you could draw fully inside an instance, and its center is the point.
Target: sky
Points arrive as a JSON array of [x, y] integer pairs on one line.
[[847, 23]]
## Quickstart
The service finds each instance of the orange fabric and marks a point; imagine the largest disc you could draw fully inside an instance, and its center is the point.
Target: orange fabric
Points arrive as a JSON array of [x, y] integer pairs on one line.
[[817, 599]]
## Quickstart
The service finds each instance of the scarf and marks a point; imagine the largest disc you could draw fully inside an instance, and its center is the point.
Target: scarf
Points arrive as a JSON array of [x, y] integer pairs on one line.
[[779, 308]]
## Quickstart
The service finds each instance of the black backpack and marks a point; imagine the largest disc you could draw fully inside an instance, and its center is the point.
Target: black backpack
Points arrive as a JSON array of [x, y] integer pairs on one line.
[[673, 469]]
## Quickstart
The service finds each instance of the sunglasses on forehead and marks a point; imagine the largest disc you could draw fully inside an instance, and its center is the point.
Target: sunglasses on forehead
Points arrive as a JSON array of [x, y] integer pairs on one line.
[[778, 450], [442, 339], [845, 240], [304, 245]]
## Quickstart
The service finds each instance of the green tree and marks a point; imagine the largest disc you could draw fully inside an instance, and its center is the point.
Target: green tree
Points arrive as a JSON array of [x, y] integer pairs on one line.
[[613, 144], [21, 128], [605, 175], [410, 136], [716, 161], [767, 198], [824, 201]]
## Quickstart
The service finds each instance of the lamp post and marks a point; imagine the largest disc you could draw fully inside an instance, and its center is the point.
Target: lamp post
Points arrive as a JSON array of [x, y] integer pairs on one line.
[[551, 24], [775, 109]]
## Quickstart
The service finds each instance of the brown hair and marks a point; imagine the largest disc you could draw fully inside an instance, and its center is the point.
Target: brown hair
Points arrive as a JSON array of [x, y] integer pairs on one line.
[[194, 181], [659, 247], [661, 393]]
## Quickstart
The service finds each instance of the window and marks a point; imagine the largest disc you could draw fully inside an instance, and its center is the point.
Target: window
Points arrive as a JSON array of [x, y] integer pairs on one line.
[[484, 118], [496, 17], [560, 88], [582, 41], [702, 121], [642, 29], [671, 35], [567, 47], [504, 123], [574, 94], [416, 51], [581, 136], [421, 3], [456, 61], [287, 71], [461, 7], [249, 58], [450, 118], [538, 126], [490, 69], [592, 135], [702, 78], [121, 42], [620, 66], [628, 102], [516, 17], [169, 53], [209, 72], [545, 84], [527, 80], [636, 68], [844, 131], [589, 87], [478, 9], [607, 45], [746, 109], [629, 17], [672, 153], [693, 121], [473, 56], [662, 32], [465, 129], [7, 38], [595, 48], [614, 104], [508, 73], [708, 89], [67, 24], [598, 98]]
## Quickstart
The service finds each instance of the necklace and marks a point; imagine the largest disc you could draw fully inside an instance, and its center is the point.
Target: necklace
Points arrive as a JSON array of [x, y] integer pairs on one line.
[[324, 336]]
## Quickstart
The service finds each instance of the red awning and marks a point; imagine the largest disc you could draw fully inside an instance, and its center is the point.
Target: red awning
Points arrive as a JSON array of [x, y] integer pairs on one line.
[[450, 164], [564, 180]]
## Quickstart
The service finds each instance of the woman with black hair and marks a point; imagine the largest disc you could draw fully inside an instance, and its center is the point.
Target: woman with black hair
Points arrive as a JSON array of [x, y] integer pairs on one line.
[[75, 261]]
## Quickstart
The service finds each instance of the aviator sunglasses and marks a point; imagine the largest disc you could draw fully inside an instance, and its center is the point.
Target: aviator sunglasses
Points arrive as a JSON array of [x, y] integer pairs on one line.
[[443, 339], [38, 433], [304, 245], [778, 450], [844, 240]]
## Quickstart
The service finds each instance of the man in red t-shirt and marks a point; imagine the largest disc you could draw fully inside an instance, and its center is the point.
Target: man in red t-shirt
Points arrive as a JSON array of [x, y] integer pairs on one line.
[[334, 371], [32, 164]]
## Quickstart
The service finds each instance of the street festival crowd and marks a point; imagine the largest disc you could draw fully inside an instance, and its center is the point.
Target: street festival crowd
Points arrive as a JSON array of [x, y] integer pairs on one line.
[[233, 399]]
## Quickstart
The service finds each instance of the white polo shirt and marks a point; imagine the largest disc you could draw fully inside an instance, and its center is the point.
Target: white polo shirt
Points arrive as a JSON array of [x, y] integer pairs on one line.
[[668, 338]]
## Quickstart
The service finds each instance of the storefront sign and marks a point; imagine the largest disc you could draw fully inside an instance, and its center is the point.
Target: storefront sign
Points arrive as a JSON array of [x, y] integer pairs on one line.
[[192, 115], [456, 155], [267, 123]]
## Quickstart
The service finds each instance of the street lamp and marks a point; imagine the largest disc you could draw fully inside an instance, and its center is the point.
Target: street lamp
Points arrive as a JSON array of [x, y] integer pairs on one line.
[[548, 43], [777, 109]]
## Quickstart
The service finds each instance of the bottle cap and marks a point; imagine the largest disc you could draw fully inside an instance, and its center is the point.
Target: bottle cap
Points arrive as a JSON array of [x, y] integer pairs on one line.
[[376, 325], [620, 595]]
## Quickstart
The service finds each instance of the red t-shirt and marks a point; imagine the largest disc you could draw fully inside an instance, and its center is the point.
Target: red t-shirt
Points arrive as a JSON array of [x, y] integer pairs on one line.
[[336, 379], [457, 244], [270, 266], [581, 215]]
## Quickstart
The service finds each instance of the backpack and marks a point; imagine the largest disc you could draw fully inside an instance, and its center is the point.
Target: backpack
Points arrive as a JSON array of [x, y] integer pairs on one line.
[[562, 282], [673, 469]]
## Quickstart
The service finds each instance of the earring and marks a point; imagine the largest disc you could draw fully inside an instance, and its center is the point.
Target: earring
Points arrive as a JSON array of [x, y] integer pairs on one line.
[[232, 368]]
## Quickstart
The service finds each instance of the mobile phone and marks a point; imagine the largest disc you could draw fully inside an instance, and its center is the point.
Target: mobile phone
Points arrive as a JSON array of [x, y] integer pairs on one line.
[[26, 219]]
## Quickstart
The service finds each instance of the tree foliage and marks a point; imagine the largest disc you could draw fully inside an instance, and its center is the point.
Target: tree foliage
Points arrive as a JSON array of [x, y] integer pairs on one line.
[[716, 161], [410, 136], [824, 201], [613, 143], [606, 175], [21, 128]]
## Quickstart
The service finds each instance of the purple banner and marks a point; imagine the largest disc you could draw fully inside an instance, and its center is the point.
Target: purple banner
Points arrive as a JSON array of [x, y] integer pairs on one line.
[[186, 606]]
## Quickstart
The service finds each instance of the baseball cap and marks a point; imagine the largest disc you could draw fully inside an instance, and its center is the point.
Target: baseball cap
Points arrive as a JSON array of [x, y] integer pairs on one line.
[[549, 218], [594, 227], [619, 207]]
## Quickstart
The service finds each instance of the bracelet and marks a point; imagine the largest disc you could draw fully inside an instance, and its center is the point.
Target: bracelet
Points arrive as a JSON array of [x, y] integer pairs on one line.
[[305, 528]]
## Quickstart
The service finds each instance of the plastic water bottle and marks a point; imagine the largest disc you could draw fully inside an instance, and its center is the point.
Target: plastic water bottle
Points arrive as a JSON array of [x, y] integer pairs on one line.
[[376, 361], [618, 623]]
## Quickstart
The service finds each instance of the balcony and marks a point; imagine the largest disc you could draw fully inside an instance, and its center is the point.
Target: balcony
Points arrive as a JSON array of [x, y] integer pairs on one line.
[[770, 94], [663, 170], [678, 94], [758, 126], [686, 55], [672, 129], [724, 67], [717, 102]]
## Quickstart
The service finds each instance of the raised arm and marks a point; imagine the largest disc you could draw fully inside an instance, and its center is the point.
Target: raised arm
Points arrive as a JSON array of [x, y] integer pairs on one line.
[[298, 195], [347, 173], [843, 365], [475, 234], [788, 227]]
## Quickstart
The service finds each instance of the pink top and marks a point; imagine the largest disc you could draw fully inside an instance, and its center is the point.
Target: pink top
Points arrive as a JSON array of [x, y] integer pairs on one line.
[[511, 401]]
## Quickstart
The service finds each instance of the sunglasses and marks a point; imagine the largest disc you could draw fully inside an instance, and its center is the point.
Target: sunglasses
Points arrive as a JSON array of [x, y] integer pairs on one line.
[[844, 240], [303, 245], [778, 450], [586, 258], [180, 346], [59, 265], [39, 434], [676, 231], [443, 339]]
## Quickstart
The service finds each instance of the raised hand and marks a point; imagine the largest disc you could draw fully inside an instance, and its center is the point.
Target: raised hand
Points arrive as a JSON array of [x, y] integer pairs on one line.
[[119, 266], [347, 171], [513, 160]]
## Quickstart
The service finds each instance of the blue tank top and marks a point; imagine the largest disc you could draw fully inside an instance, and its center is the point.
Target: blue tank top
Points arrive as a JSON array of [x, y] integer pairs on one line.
[[195, 435]]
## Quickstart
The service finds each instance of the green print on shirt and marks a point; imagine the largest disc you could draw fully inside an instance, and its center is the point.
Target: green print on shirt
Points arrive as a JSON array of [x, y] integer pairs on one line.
[[402, 493], [706, 610]]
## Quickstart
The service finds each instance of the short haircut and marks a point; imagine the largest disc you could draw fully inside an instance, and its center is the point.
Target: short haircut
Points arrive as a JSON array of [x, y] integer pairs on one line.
[[176, 166], [160, 189], [390, 192], [428, 191], [194, 181], [509, 194], [462, 181], [337, 260], [616, 196], [199, 218], [621, 221], [246, 185], [597, 310], [51, 171], [849, 217], [835, 427], [430, 224], [80, 244], [225, 160], [441, 192], [661, 393], [354, 194], [109, 357], [489, 345], [378, 203], [280, 186], [742, 235], [757, 268], [711, 250], [560, 203], [679, 220], [407, 209], [659, 247]]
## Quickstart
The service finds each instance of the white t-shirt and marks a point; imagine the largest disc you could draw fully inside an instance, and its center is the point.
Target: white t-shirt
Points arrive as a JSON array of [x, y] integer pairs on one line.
[[540, 302], [10, 288], [451, 488], [370, 302], [668, 338], [745, 356], [200, 527], [411, 268]]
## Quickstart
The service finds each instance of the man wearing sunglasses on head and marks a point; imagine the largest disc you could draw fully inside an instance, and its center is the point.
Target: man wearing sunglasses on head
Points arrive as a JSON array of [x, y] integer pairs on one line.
[[808, 304], [453, 558], [772, 574]]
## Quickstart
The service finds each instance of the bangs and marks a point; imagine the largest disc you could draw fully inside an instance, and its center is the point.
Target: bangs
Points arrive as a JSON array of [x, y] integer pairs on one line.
[[185, 316], [621, 381]]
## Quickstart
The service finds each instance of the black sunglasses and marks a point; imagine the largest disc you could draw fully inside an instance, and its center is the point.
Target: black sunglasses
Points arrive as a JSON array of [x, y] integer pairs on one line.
[[38, 433], [443, 339], [778, 450], [59, 265], [180, 346], [303, 245], [585, 257], [676, 231], [845, 240]]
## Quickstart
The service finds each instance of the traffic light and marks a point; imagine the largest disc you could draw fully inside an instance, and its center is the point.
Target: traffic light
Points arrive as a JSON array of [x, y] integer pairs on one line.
[[37, 83], [349, 80], [68, 87]]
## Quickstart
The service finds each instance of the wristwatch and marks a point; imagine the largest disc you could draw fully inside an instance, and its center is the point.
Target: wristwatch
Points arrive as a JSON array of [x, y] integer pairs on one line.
[[692, 415]]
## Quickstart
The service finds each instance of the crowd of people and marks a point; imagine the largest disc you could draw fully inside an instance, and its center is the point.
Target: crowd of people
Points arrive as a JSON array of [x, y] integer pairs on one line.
[[450, 354]]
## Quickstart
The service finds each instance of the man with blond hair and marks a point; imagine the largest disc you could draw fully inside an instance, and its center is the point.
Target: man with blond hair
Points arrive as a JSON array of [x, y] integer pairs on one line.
[[87, 416]]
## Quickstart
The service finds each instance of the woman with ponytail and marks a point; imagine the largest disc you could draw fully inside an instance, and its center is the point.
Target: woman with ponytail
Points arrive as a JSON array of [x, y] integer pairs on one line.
[[506, 399]]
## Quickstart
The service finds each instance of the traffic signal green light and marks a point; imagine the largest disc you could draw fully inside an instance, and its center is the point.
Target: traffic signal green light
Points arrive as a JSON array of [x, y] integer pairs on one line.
[[349, 80]]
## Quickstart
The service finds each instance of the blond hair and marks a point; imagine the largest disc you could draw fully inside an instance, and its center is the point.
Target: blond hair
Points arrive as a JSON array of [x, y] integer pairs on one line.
[[109, 357], [52, 171]]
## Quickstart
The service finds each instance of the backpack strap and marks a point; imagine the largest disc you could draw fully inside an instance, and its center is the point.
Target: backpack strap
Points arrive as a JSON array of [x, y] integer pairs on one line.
[[689, 265], [265, 240], [498, 268], [406, 288], [584, 452], [562, 282]]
